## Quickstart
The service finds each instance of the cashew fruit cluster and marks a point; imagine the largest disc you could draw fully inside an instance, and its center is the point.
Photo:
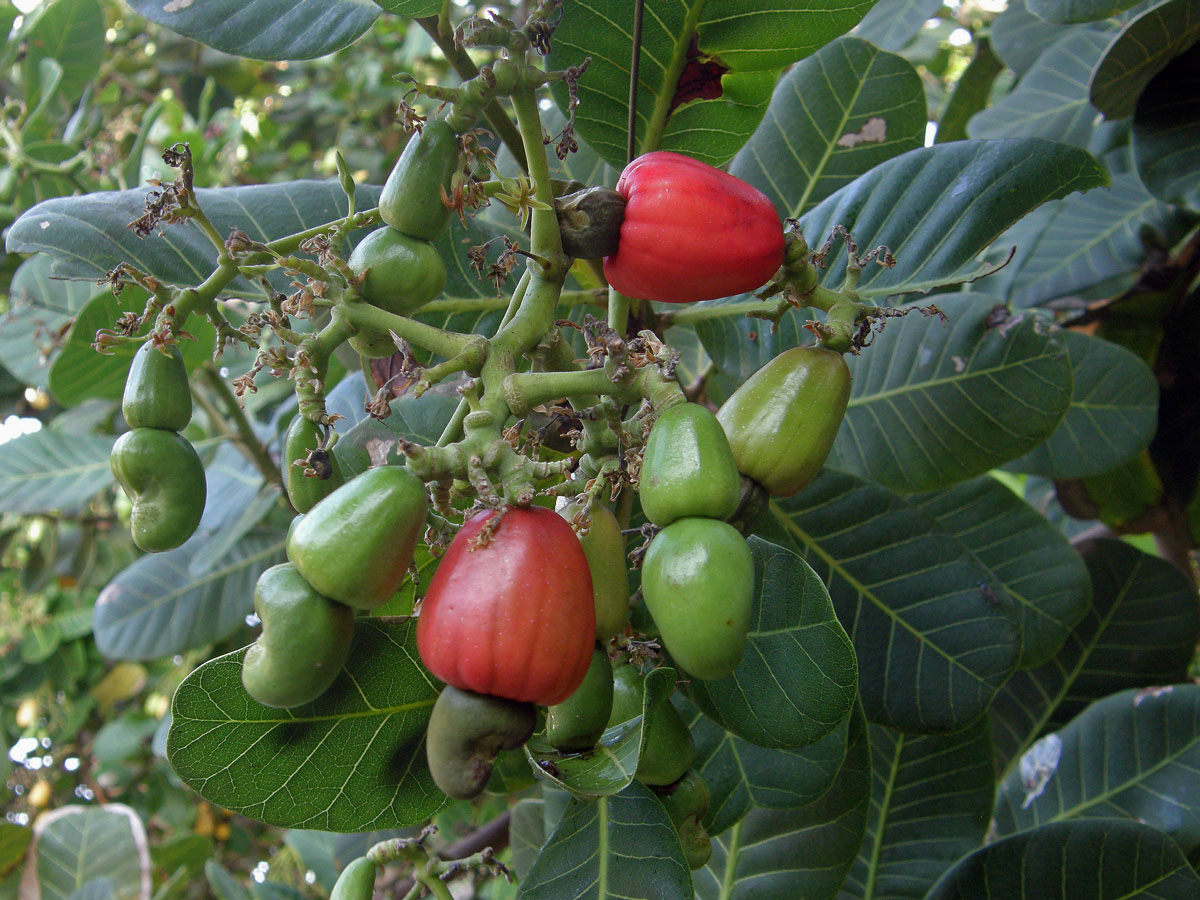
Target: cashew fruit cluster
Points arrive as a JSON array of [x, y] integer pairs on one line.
[[697, 575], [351, 551], [400, 268], [156, 466]]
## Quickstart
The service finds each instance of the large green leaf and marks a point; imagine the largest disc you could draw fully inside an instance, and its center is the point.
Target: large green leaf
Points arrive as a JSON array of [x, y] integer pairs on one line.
[[833, 117], [1141, 631], [1143, 49], [609, 767], [51, 472], [933, 644], [1100, 860], [1019, 37], [411, 7], [352, 760], [39, 309], [892, 24], [1051, 99], [742, 776], [938, 207], [797, 680], [75, 845], [1083, 240], [1112, 417], [932, 405], [1031, 560], [70, 32], [275, 29], [13, 838], [806, 852], [1166, 132], [1061, 12], [1132, 755], [526, 833], [931, 798], [615, 847], [706, 71]]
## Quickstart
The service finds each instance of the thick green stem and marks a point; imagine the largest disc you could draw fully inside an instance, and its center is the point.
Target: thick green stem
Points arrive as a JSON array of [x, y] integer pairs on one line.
[[444, 343], [523, 391], [315, 350], [618, 311]]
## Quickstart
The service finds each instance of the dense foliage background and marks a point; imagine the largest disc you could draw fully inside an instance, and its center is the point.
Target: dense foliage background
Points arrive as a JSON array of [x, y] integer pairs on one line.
[[1087, 435]]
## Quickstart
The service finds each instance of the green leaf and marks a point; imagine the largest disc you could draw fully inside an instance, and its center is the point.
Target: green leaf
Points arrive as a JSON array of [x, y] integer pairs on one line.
[[1126, 756], [971, 93], [527, 833], [352, 760], [47, 471], [1051, 99], [892, 24], [610, 767], [797, 680], [806, 852], [275, 29], [1105, 860], [938, 207], [1143, 49], [39, 309], [1081, 241], [71, 33], [1166, 132], [88, 235], [833, 117], [1020, 38], [122, 738], [1112, 417], [74, 845], [224, 885], [932, 405], [411, 8], [158, 606], [742, 775], [615, 847], [931, 798], [932, 646], [706, 71], [1140, 631], [13, 841], [1062, 12], [1031, 561]]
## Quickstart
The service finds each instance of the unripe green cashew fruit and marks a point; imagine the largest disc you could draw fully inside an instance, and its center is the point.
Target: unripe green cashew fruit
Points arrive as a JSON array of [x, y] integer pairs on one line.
[[156, 389], [411, 200], [687, 804], [577, 723], [304, 643], [604, 546], [357, 881], [304, 492], [403, 273], [781, 423], [163, 476], [688, 468], [356, 545], [698, 583], [466, 732], [667, 747]]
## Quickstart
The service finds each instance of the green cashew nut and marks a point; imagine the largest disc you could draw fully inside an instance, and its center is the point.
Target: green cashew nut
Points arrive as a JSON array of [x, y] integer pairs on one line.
[[604, 546], [356, 545], [577, 723], [156, 389], [687, 804], [402, 273], [305, 492], [163, 476], [688, 468], [304, 643], [667, 747], [357, 881], [466, 732], [411, 200], [698, 583]]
